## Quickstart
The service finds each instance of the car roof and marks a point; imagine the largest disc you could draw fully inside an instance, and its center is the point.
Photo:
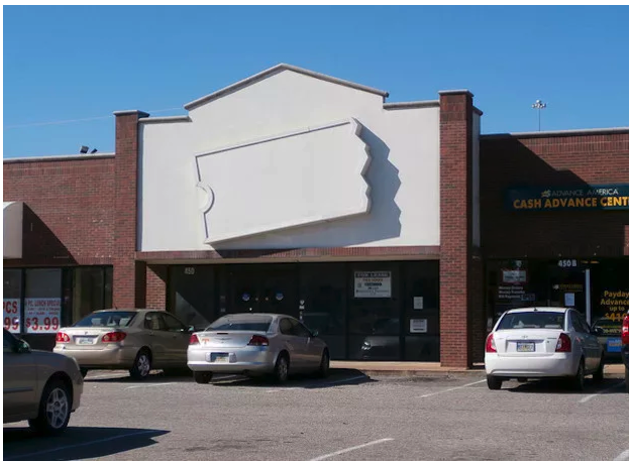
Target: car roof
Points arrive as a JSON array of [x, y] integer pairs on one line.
[[120, 309], [540, 309]]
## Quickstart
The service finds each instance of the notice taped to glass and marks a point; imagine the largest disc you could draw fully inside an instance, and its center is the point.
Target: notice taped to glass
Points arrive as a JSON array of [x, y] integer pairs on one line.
[[372, 284]]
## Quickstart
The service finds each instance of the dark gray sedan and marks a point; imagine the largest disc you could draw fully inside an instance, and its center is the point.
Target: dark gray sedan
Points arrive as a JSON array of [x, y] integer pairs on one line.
[[257, 344]]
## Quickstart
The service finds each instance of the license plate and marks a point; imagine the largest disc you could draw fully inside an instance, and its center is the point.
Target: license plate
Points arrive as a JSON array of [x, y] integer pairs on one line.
[[218, 358], [84, 341], [525, 347]]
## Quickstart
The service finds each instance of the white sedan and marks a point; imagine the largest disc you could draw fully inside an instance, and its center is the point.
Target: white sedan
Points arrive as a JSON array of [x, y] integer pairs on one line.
[[542, 342]]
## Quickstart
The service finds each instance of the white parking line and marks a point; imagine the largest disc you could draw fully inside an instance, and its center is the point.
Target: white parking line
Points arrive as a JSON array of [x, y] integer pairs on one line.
[[450, 389], [624, 456], [98, 441], [589, 397], [333, 454], [148, 385]]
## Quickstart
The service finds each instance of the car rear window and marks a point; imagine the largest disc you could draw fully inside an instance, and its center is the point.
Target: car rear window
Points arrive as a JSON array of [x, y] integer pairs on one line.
[[106, 319], [532, 320], [241, 324]]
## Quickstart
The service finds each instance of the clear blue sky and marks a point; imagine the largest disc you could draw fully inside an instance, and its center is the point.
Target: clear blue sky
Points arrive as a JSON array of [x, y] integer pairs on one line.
[[65, 63]]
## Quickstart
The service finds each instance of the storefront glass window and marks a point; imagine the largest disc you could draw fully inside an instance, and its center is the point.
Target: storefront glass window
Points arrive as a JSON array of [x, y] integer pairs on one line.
[[322, 305], [192, 294], [12, 314], [42, 304], [88, 291]]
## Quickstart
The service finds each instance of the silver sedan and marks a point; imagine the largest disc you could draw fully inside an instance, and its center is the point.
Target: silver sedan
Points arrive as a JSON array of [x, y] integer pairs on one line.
[[256, 344]]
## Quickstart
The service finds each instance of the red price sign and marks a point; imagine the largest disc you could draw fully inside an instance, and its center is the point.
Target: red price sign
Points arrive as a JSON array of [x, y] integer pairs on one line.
[[34, 324], [11, 315], [42, 315]]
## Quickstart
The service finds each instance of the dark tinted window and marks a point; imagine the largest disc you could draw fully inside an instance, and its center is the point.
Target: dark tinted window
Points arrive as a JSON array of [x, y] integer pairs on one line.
[[230, 323], [285, 327], [532, 320], [577, 323], [299, 330], [172, 323], [8, 342], [107, 319]]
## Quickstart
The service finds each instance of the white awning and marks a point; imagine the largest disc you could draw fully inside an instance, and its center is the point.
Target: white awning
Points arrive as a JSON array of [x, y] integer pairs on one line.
[[12, 229]]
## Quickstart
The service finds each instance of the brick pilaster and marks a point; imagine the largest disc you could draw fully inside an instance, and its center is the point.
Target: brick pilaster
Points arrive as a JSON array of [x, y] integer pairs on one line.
[[128, 277], [456, 238], [156, 286]]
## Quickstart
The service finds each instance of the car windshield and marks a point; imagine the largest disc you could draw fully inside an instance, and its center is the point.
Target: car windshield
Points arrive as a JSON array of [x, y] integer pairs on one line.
[[254, 323], [532, 320], [106, 319]]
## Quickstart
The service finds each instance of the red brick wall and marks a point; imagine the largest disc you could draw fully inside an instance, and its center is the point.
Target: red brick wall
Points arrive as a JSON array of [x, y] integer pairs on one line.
[[456, 296], [556, 160], [129, 280], [68, 214]]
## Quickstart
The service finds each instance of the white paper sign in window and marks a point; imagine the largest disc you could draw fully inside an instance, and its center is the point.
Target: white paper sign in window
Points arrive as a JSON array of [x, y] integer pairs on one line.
[[372, 284], [11, 315], [418, 325], [42, 315]]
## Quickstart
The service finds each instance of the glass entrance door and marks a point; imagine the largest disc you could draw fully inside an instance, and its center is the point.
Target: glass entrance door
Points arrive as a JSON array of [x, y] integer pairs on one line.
[[263, 288]]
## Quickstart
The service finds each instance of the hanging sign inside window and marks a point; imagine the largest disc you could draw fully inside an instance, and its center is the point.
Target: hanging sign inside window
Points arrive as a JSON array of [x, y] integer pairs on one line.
[[372, 284], [11, 315], [418, 325], [42, 315]]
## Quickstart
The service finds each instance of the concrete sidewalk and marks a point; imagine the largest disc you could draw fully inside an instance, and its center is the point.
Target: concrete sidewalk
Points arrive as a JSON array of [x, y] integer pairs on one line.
[[434, 369]]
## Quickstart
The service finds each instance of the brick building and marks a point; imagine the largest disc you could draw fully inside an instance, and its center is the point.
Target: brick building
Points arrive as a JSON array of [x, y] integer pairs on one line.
[[395, 229]]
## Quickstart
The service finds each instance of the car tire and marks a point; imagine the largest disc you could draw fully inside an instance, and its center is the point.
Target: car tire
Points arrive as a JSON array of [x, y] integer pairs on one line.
[[54, 410], [84, 372], [598, 375], [202, 377], [494, 383], [578, 381], [142, 365], [282, 367], [324, 366]]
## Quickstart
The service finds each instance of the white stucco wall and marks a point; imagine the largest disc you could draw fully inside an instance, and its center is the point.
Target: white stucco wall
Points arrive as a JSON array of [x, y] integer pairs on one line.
[[403, 173]]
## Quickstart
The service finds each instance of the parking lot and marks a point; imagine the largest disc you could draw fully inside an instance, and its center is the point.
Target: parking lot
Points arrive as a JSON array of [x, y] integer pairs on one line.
[[348, 416]]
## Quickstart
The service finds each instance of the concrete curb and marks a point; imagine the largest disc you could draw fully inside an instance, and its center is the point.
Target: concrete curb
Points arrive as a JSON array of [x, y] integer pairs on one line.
[[442, 373]]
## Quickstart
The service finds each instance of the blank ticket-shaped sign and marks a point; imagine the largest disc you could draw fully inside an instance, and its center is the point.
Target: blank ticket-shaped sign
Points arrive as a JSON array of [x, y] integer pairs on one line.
[[307, 176]]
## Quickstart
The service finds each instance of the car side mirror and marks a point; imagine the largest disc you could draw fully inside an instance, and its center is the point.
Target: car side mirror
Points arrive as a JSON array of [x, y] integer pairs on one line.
[[23, 347], [597, 331], [191, 329], [315, 333]]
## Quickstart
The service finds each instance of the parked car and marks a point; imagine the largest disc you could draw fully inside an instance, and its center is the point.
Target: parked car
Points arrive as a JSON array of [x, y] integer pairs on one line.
[[609, 336], [137, 340], [256, 344], [542, 342], [41, 387], [625, 347]]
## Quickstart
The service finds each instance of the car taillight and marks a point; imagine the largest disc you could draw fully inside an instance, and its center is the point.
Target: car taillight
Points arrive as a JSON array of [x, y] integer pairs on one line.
[[625, 330], [193, 339], [564, 343], [490, 344], [258, 340], [62, 337], [115, 336]]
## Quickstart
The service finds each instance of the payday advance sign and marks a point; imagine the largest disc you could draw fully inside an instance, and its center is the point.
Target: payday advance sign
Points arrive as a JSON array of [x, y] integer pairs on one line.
[[604, 197]]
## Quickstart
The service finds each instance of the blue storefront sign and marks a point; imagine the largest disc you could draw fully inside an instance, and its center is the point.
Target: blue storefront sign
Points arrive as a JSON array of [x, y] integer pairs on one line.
[[600, 197]]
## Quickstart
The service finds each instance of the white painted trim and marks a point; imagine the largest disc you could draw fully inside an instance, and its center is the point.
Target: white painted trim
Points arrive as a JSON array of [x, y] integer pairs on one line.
[[557, 132], [274, 70], [164, 120], [412, 105], [62, 157]]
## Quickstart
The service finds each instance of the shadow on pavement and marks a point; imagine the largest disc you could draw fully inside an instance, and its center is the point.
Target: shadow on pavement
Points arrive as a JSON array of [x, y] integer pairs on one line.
[[607, 386], [116, 377], [75, 443], [338, 377]]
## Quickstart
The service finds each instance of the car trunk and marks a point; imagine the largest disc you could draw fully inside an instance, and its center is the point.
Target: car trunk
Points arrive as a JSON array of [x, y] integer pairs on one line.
[[227, 338], [526, 342], [87, 338]]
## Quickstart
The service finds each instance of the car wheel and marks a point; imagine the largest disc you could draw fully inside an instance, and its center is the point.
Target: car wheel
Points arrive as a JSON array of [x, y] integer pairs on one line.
[[281, 369], [324, 366], [84, 372], [54, 411], [494, 383], [142, 365], [202, 377], [578, 381], [599, 373]]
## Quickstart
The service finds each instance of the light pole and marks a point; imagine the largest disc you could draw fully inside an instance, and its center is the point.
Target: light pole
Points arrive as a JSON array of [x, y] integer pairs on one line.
[[538, 105]]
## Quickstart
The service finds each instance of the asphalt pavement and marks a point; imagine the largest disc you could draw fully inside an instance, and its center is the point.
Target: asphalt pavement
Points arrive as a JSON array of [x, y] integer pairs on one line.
[[348, 416]]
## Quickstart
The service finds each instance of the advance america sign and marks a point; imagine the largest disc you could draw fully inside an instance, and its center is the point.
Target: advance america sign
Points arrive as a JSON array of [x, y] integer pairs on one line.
[[604, 197]]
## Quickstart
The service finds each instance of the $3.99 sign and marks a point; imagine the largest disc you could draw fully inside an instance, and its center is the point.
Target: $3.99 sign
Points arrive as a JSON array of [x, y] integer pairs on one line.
[[11, 315], [42, 315]]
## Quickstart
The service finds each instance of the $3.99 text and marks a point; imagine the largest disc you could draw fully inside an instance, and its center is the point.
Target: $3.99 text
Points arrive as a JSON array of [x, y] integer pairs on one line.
[[39, 324]]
